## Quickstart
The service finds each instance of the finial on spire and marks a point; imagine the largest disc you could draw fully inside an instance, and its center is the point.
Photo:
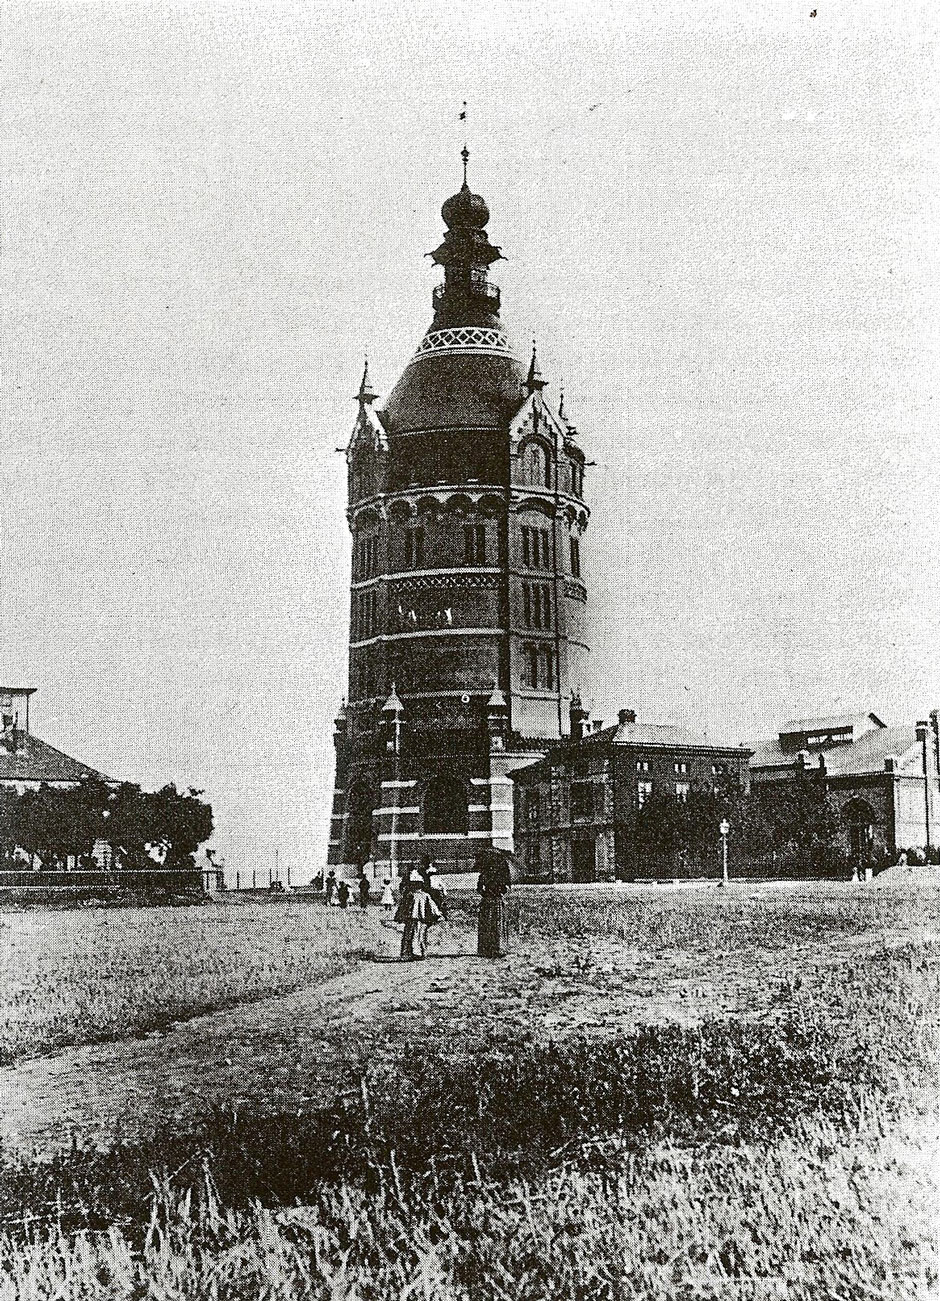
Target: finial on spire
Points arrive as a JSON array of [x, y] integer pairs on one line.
[[465, 152], [534, 380], [561, 402], [367, 394]]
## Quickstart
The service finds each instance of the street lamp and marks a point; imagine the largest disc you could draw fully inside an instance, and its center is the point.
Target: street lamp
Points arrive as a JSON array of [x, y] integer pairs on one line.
[[724, 827]]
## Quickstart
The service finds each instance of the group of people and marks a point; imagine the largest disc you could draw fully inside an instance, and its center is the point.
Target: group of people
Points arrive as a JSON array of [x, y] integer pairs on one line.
[[338, 893], [422, 902], [421, 905]]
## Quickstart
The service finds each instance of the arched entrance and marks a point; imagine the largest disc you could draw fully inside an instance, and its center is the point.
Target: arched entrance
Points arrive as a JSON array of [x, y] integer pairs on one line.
[[859, 818], [445, 807], [360, 803]]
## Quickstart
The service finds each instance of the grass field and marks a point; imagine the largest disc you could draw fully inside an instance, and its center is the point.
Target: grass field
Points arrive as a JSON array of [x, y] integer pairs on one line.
[[86, 976], [783, 1148]]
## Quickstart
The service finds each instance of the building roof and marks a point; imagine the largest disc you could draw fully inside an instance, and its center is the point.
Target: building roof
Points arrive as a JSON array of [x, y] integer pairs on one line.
[[865, 755], [35, 761], [834, 723], [666, 735]]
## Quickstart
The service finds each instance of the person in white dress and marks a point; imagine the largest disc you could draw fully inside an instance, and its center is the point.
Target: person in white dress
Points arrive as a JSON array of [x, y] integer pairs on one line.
[[388, 898]]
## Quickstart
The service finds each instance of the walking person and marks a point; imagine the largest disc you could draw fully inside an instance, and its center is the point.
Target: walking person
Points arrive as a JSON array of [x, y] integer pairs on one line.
[[342, 894], [405, 914], [364, 887], [425, 913], [492, 885], [329, 889], [388, 898]]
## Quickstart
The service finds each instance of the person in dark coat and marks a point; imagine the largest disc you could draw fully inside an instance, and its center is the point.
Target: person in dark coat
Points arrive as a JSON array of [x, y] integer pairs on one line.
[[492, 885], [363, 892], [342, 894], [405, 913]]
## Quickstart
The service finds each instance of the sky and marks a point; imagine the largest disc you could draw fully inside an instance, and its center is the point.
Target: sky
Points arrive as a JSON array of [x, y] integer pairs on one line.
[[721, 223]]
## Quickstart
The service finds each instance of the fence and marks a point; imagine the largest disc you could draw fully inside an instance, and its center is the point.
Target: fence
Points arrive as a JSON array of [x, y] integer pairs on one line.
[[116, 881]]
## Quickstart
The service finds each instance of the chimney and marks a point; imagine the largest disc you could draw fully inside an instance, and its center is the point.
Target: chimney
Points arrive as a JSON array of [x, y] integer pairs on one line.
[[626, 717]]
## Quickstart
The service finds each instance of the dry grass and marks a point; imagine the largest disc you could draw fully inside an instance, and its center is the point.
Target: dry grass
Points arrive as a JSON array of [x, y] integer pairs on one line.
[[89, 976], [745, 1159]]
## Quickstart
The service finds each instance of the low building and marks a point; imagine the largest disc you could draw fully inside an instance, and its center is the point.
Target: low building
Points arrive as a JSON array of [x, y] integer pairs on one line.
[[575, 809], [26, 762], [886, 780]]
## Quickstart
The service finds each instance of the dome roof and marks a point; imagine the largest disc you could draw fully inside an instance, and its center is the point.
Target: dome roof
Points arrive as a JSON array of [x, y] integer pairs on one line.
[[465, 209], [453, 391]]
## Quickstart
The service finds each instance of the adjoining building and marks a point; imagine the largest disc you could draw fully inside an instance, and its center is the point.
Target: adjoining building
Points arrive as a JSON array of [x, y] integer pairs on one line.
[[886, 780], [26, 762], [468, 607], [576, 808]]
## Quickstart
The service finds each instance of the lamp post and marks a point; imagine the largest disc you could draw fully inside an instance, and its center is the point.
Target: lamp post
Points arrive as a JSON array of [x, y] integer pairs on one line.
[[723, 828]]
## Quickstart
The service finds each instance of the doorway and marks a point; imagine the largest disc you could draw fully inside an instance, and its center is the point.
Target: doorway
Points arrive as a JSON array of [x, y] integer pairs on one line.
[[583, 862]]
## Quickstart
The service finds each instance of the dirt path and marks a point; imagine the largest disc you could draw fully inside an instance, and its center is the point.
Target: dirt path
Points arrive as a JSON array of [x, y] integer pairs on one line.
[[291, 1050]]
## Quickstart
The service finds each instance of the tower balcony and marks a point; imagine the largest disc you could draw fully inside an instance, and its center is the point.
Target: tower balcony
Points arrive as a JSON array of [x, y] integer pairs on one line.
[[483, 291]]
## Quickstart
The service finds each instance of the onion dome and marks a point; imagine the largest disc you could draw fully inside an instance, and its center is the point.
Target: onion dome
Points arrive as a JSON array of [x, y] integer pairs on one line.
[[465, 209]]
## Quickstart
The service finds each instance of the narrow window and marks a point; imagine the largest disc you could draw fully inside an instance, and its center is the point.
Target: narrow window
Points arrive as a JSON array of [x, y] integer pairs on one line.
[[474, 544], [644, 790], [530, 666], [575, 558], [548, 659], [526, 547], [527, 605]]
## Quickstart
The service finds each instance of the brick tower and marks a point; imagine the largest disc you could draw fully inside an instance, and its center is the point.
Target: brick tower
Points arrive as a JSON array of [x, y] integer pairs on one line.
[[467, 631]]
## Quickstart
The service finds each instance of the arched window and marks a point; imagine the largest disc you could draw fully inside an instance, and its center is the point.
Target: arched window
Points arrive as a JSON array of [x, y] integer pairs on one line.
[[536, 465], [445, 807]]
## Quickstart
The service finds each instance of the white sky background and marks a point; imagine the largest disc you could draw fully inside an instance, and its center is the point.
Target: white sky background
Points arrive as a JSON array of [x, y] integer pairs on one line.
[[722, 225]]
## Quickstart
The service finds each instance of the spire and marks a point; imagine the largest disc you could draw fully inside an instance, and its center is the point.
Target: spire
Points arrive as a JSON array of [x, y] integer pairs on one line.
[[367, 394], [534, 381], [467, 297], [561, 403]]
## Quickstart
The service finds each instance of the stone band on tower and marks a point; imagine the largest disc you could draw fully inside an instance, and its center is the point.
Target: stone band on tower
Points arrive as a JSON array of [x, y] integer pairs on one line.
[[468, 610]]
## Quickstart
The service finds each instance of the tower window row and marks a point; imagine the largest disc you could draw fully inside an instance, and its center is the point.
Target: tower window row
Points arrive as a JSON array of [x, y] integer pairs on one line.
[[537, 605], [472, 544], [538, 667]]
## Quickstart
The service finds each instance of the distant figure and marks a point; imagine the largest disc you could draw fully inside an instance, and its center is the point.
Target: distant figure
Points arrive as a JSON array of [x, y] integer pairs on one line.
[[902, 858], [492, 884], [330, 887], [342, 894], [363, 892], [317, 882], [388, 899]]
